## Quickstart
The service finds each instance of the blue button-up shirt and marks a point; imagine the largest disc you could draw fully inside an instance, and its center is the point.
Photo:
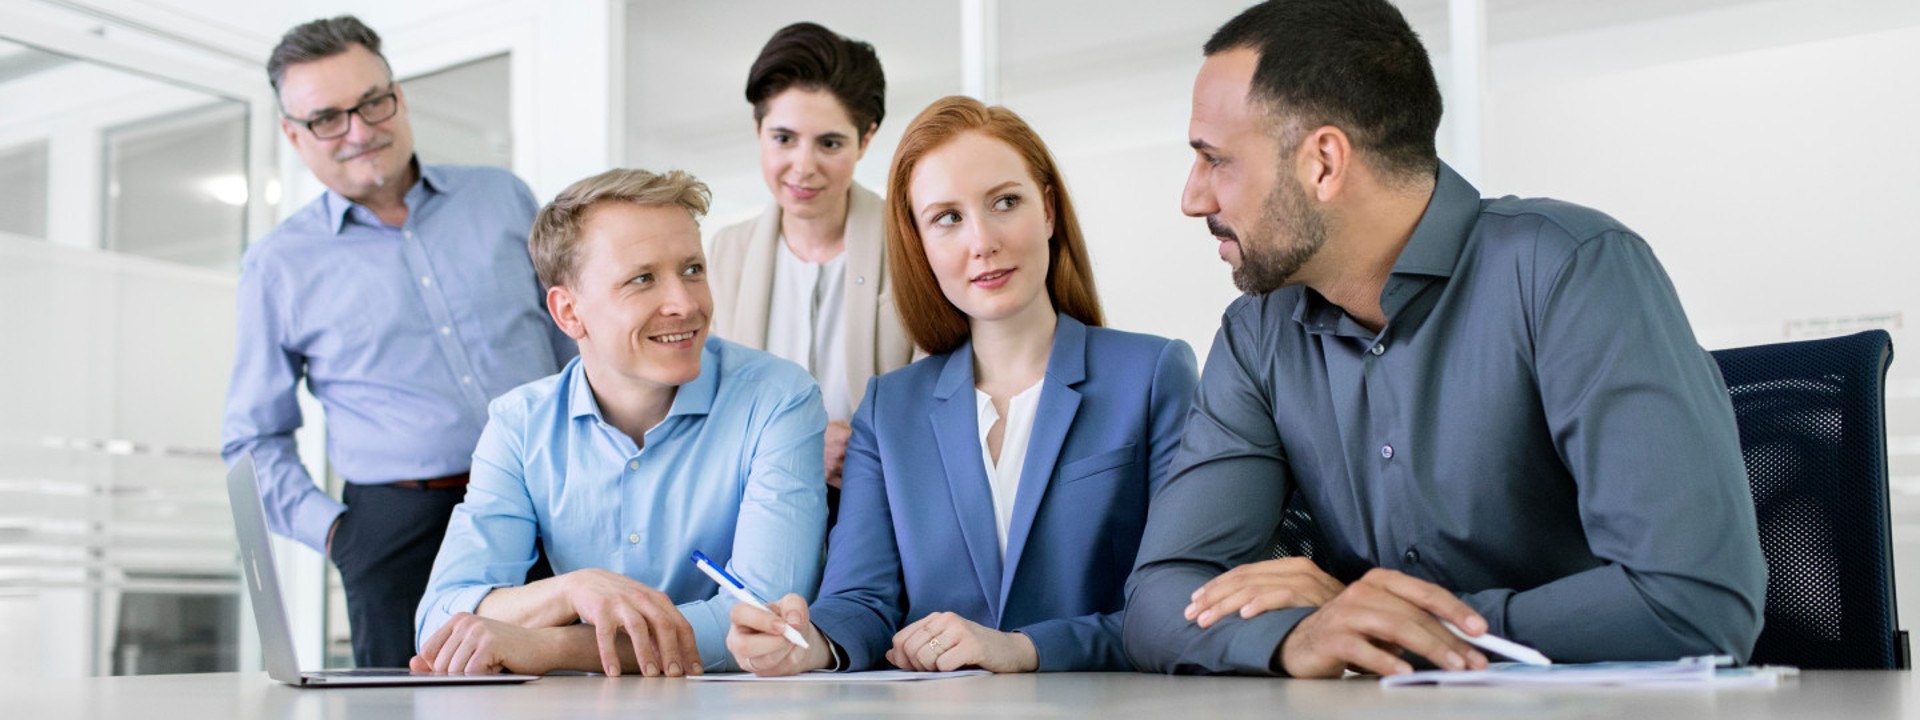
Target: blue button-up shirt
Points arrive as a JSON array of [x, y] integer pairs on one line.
[[732, 471], [403, 333]]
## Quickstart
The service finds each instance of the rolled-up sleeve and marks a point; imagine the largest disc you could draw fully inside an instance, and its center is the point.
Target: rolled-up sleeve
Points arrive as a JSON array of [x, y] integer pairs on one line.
[[782, 523], [1227, 484], [490, 536]]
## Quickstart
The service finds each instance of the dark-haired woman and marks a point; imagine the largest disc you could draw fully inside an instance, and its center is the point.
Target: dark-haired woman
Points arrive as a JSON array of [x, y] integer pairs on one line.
[[995, 491], [806, 280]]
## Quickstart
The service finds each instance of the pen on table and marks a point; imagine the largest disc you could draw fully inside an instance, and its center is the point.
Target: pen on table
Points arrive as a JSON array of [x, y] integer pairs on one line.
[[1503, 646], [741, 593]]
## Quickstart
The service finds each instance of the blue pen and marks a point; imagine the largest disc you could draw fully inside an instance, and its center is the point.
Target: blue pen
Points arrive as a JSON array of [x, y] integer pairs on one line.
[[741, 593]]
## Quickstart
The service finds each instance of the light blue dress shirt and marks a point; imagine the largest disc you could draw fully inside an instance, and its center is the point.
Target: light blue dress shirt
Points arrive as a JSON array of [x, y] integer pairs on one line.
[[733, 471], [403, 333]]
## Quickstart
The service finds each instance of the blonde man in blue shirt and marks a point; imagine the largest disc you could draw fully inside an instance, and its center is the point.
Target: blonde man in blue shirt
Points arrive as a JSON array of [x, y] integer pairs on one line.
[[658, 441]]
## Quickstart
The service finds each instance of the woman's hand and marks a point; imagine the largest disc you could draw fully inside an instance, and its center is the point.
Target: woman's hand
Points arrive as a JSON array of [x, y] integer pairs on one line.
[[759, 643], [944, 641]]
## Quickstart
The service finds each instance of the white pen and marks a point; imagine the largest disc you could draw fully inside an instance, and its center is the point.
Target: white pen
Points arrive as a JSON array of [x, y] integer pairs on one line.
[[741, 593], [1500, 645]]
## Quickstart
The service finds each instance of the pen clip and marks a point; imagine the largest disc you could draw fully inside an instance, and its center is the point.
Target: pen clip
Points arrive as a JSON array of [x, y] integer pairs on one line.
[[700, 558]]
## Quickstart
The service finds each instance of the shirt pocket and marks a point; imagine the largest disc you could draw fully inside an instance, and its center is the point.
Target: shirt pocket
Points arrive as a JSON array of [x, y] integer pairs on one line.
[[1110, 462]]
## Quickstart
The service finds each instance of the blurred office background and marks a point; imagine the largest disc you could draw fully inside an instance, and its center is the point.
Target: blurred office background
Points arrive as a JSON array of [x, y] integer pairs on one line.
[[1763, 147]]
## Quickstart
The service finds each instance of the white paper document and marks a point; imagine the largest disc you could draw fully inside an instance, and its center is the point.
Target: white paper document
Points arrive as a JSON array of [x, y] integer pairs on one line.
[[822, 676], [1683, 673]]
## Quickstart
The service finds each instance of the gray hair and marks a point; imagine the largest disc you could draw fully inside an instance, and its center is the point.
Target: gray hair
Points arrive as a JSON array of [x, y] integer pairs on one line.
[[323, 38]]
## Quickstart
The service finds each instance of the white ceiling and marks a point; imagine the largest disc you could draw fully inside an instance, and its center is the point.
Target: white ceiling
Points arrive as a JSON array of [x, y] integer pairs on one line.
[[19, 61]]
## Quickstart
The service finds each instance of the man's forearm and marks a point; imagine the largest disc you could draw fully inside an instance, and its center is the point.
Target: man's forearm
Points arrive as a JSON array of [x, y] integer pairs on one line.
[[1606, 614], [572, 647], [540, 604], [1158, 637]]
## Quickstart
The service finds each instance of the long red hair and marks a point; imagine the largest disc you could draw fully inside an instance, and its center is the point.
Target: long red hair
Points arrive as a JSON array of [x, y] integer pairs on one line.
[[929, 318]]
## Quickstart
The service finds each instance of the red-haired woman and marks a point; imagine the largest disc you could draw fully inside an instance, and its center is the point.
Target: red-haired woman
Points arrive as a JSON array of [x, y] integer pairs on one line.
[[995, 491]]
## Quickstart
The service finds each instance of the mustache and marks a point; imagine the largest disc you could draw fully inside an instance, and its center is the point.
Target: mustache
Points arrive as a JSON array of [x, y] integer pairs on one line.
[[1220, 229], [349, 152]]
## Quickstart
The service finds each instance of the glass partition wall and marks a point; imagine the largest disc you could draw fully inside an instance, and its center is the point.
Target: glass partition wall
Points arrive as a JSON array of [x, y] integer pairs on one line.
[[124, 208]]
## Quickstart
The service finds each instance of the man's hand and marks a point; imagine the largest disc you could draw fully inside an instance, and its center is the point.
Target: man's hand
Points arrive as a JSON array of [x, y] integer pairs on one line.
[[1255, 588], [1367, 625], [472, 644], [944, 641], [836, 458], [759, 643], [613, 604]]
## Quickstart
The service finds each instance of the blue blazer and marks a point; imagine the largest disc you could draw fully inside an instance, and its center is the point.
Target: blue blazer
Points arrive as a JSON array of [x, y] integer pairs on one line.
[[916, 533]]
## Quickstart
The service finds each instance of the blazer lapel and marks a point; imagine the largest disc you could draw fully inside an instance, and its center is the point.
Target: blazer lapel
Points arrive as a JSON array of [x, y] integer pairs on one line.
[[866, 245], [956, 426], [756, 280], [1059, 402]]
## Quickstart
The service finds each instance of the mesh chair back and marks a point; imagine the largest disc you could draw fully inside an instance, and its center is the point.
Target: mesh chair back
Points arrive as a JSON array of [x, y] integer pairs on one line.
[[1812, 430]]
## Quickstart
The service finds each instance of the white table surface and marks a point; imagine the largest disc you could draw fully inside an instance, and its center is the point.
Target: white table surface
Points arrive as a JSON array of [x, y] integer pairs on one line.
[[1107, 696]]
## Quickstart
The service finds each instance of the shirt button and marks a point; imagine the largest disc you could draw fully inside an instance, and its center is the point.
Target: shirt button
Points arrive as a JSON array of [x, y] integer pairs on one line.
[[444, 330], [466, 379], [1379, 349], [633, 465], [860, 280], [1413, 556], [407, 234], [426, 281], [1386, 451], [633, 539]]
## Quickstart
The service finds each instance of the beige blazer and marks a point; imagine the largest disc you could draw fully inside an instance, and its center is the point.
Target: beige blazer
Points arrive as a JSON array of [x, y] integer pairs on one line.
[[740, 268]]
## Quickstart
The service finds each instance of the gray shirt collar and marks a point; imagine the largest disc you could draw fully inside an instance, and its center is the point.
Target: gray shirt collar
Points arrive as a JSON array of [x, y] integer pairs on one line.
[[1430, 255]]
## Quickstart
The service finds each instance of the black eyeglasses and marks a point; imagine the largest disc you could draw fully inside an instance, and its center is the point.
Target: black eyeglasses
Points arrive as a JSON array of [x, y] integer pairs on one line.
[[330, 124]]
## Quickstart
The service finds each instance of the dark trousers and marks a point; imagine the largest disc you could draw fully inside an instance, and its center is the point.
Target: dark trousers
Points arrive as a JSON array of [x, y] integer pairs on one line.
[[384, 548]]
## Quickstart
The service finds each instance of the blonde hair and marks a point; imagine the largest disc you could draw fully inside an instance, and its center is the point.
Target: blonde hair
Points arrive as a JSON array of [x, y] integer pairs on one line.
[[554, 243]]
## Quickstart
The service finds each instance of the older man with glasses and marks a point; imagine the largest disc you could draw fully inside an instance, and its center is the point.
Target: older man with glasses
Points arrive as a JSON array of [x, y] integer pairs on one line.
[[405, 298]]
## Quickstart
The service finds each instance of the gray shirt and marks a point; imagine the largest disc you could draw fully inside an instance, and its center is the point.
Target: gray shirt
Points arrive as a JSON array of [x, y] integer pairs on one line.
[[1535, 428]]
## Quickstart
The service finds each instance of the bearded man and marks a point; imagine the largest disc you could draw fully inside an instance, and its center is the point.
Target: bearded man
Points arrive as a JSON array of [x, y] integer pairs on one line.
[[1494, 410]]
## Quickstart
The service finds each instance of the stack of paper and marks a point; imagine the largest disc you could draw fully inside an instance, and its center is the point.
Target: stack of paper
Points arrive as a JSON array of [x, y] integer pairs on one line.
[[1690, 672], [842, 677]]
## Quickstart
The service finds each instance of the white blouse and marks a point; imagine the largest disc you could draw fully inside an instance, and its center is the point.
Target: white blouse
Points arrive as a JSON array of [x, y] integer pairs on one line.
[[1004, 477], [806, 323]]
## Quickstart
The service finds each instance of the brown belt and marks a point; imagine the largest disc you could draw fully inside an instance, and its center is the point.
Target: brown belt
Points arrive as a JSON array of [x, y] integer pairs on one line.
[[442, 483]]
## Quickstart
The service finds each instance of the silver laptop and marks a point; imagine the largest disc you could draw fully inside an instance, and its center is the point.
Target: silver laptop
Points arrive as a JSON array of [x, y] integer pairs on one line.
[[256, 559]]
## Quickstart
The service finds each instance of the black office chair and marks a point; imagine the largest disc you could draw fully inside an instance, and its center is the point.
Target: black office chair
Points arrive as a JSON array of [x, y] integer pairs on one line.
[[1813, 431]]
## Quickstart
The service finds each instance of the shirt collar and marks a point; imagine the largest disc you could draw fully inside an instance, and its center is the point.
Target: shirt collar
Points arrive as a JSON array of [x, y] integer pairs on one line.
[[1442, 232], [1432, 252], [431, 182], [693, 398]]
